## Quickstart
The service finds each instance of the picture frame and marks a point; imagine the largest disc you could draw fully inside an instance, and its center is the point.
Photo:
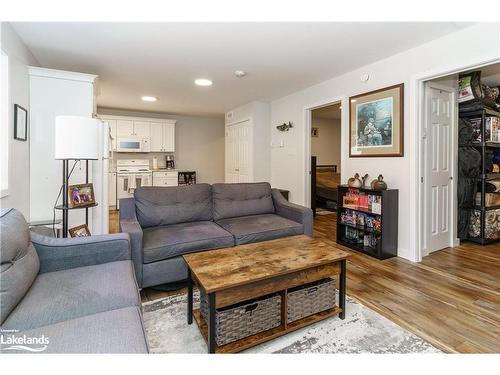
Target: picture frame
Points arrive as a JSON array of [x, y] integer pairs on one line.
[[20, 123], [81, 195], [315, 132], [79, 231], [376, 123]]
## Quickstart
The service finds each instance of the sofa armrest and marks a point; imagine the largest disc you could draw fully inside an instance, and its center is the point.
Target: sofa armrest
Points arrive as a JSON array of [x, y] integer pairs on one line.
[[294, 212], [129, 224], [58, 254]]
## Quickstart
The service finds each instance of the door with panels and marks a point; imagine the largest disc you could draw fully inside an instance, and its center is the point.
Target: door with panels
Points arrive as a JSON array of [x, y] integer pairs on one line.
[[439, 134], [239, 166]]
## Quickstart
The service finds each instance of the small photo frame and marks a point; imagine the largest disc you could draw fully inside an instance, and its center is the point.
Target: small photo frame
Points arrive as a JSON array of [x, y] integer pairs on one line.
[[81, 195], [79, 231], [20, 123], [315, 132]]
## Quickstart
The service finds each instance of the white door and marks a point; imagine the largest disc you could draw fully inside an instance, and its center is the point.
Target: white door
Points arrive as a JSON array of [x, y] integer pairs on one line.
[[439, 117], [232, 171], [169, 137], [244, 151], [156, 137], [239, 152]]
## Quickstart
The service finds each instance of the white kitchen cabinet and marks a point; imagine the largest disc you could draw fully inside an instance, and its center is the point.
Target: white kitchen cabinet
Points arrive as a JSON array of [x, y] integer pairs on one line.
[[161, 132], [112, 189], [125, 128], [165, 178], [156, 137], [162, 136], [142, 129]]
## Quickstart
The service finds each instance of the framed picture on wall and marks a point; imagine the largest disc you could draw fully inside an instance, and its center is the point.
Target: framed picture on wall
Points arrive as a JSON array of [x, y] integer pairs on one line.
[[315, 132], [376, 123], [20, 123]]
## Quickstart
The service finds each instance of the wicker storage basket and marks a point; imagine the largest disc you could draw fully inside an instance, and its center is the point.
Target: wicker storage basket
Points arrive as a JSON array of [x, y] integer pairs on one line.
[[245, 319], [310, 299]]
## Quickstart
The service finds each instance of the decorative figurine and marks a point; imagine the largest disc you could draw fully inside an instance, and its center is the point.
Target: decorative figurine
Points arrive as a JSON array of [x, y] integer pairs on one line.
[[379, 183], [355, 181]]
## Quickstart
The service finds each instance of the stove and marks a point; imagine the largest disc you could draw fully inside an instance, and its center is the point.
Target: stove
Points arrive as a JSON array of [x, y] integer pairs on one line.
[[130, 175]]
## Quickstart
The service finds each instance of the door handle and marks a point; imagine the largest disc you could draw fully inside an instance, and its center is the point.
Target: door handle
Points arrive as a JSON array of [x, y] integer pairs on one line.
[[451, 178]]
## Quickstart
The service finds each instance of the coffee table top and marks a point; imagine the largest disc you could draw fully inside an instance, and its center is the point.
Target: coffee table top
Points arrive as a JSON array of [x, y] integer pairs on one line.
[[233, 266]]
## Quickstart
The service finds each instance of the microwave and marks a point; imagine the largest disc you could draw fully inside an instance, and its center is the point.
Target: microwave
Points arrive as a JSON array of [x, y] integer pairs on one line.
[[133, 144]]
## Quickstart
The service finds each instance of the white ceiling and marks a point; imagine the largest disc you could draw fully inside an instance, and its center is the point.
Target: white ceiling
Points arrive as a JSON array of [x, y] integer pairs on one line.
[[163, 59]]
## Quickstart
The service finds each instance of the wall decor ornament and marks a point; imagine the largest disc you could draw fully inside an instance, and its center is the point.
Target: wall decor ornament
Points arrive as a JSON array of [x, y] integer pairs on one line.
[[20, 123], [379, 183], [376, 123], [285, 127]]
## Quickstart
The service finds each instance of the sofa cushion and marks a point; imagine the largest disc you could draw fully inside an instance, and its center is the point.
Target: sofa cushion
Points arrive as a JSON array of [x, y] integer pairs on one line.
[[115, 331], [19, 263], [255, 228], [68, 294], [172, 240], [233, 200], [157, 206]]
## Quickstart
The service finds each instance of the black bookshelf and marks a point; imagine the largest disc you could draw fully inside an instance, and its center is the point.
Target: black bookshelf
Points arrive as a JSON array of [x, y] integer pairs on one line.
[[386, 236], [482, 146]]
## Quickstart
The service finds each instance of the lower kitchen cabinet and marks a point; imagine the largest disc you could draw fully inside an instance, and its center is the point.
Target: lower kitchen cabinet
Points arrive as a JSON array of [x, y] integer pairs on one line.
[[165, 178]]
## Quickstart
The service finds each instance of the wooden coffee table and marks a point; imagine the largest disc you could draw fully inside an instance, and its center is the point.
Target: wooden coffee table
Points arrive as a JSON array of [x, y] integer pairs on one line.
[[232, 275]]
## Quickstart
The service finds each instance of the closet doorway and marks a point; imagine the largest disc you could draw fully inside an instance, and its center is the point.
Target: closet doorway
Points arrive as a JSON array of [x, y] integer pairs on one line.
[[461, 159]]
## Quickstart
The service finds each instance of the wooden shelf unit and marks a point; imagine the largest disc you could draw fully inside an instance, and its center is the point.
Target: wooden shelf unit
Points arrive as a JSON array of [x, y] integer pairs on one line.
[[387, 244]]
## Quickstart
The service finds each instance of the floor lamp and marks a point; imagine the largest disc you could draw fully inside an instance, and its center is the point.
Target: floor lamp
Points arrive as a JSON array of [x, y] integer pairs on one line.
[[76, 138]]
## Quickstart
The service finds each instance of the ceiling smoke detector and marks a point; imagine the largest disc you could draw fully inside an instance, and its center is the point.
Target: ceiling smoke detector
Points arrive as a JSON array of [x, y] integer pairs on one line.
[[240, 73]]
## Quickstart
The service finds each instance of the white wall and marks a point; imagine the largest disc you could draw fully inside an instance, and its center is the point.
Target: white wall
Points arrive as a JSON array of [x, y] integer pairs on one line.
[[19, 59], [474, 44], [326, 147], [199, 144]]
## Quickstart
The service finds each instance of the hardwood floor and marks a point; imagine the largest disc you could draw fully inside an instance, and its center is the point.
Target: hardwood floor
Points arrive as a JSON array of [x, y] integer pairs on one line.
[[451, 298]]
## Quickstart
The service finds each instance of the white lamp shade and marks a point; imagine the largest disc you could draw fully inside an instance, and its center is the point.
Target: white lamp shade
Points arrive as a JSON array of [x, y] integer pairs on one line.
[[77, 138]]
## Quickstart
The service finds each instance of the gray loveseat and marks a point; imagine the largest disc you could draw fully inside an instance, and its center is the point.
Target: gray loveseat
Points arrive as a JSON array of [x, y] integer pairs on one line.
[[166, 222], [78, 293]]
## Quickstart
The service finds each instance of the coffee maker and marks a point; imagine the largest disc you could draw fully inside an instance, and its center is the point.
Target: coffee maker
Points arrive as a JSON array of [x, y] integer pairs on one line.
[[169, 162]]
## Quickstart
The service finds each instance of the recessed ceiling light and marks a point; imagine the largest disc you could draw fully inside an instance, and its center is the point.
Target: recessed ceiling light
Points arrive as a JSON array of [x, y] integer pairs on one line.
[[203, 82], [149, 99], [240, 73]]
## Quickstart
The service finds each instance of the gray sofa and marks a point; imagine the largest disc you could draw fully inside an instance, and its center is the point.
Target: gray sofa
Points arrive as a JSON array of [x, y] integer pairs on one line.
[[166, 222], [78, 293]]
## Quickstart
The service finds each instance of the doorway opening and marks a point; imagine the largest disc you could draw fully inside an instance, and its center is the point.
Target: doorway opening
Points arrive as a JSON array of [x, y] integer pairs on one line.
[[325, 157], [461, 159]]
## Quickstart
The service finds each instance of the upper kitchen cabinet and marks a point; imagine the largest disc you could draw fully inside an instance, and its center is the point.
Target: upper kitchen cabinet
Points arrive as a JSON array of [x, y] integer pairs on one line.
[[130, 128], [163, 136], [124, 128], [142, 129], [160, 132]]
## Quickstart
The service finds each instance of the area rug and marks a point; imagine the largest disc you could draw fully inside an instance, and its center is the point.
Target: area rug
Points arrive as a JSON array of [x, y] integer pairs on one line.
[[362, 331]]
